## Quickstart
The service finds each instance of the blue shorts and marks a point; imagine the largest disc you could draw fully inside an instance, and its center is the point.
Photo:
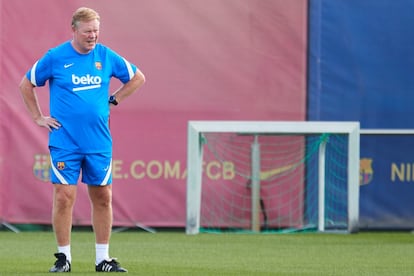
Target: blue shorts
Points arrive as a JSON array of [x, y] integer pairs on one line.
[[66, 166]]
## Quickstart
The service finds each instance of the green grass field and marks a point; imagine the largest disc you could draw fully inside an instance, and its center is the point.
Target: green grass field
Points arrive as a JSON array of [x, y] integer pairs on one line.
[[174, 253]]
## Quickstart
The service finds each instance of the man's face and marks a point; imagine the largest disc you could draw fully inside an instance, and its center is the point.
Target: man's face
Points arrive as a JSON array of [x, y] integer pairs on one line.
[[85, 35]]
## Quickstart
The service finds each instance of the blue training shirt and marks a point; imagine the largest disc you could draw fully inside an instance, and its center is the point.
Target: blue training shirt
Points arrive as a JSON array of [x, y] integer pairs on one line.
[[79, 91]]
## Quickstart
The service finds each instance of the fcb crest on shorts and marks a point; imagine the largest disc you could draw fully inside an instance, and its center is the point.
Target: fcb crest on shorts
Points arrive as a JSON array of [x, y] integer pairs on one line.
[[98, 65], [60, 165]]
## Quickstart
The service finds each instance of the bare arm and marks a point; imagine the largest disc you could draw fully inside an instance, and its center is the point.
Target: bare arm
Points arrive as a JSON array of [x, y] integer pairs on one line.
[[30, 99], [130, 87]]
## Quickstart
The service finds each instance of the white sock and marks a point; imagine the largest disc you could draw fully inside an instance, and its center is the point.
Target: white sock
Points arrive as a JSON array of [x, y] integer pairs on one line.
[[66, 250], [102, 252]]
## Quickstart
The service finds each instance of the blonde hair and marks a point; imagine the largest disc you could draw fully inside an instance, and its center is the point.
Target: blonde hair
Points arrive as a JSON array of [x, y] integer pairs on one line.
[[84, 14]]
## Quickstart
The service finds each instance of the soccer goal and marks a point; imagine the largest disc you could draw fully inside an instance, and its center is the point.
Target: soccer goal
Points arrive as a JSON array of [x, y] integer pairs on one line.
[[272, 176]]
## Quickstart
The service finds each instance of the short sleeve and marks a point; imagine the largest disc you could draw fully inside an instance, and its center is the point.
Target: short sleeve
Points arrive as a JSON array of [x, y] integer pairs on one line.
[[122, 69], [41, 71]]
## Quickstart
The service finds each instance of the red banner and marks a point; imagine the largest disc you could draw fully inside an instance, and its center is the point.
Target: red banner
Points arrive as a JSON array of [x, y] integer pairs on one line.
[[230, 60]]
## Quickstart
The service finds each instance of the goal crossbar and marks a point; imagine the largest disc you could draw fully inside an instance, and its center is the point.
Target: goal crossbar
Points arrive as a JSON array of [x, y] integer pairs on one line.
[[195, 155]]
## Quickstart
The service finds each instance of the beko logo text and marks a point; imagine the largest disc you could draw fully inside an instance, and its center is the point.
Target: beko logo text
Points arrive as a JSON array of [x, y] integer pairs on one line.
[[86, 80]]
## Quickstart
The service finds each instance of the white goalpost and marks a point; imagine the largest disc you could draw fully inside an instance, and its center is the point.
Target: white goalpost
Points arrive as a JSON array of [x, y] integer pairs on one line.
[[299, 175]]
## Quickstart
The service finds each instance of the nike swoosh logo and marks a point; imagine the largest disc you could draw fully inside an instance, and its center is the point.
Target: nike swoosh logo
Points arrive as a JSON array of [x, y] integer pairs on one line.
[[67, 65], [268, 174], [264, 175]]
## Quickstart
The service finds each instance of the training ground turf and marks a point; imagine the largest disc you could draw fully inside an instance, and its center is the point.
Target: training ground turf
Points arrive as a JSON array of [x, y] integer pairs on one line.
[[174, 253]]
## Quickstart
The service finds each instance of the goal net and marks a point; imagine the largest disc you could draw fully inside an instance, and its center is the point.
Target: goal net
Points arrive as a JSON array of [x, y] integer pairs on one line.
[[255, 176]]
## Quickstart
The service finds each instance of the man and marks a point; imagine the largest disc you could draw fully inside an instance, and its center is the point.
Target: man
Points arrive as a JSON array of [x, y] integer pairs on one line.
[[79, 72]]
